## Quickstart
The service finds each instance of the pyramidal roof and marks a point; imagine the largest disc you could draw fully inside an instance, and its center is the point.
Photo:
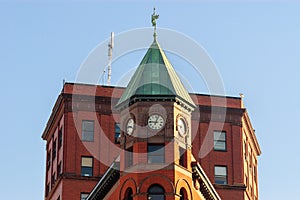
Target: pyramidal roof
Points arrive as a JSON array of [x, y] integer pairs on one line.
[[155, 77]]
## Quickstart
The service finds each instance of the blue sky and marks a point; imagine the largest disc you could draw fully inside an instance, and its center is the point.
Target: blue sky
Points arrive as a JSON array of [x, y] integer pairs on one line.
[[255, 46]]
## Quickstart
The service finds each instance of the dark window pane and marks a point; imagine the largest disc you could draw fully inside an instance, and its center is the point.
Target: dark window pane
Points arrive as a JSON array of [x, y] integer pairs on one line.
[[156, 192], [117, 133], [54, 150], [156, 154], [128, 194], [182, 157], [60, 135], [86, 171]]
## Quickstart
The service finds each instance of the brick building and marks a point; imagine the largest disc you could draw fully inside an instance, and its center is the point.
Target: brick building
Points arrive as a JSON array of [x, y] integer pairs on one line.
[[150, 140]]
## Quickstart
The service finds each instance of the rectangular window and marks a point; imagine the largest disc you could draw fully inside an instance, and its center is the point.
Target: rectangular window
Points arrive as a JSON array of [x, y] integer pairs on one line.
[[117, 133], [59, 172], [86, 166], [60, 135], [129, 157], [245, 150], [219, 140], [156, 153], [54, 150], [53, 179], [83, 196], [88, 131], [47, 189], [221, 175], [182, 158], [48, 160], [255, 173]]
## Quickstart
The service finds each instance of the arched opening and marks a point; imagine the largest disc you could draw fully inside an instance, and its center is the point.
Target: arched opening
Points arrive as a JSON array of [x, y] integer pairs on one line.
[[183, 194], [128, 194], [156, 192]]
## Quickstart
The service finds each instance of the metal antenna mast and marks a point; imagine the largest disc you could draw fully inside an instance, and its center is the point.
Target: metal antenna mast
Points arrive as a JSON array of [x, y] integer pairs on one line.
[[110, 48]]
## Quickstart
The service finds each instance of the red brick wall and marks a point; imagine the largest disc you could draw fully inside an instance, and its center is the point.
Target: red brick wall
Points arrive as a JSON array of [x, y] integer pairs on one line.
[[102, 150]]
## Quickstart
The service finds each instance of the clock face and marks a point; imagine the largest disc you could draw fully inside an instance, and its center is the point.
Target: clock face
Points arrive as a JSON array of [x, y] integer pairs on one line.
[[181, 127], [130, 126], [156, 122]]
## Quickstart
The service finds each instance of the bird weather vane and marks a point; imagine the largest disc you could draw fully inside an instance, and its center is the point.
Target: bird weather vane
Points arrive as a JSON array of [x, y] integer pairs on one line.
[[154, 17]]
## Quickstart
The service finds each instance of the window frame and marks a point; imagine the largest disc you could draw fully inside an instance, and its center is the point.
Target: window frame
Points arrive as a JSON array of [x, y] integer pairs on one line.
[[128, 194], [129, 157], [59, 169], [54, 149], [87, 167], [85, 133], [182, 157], [156, 153], [219, 177], [117, 127], [218, 140], [183, 194], [159, 194], [48, 159], [60, 137], [84, 193]]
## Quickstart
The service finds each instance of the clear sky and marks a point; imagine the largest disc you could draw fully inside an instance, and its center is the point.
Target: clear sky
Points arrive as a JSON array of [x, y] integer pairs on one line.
[[255, 46]]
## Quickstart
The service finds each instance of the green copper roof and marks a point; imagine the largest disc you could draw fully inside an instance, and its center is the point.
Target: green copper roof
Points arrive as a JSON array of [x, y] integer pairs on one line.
[[155, 76]]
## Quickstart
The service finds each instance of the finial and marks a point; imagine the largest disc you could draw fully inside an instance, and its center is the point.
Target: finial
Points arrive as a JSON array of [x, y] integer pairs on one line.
[[242, 100], [154, 17]]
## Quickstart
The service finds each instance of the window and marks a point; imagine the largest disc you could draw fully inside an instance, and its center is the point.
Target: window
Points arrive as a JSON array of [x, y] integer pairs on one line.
[[129, 157], [83, 196], [182, 158], [245, 150], [59, 169], [117, 133], [221, 175], [128, 194], [54, 150], [156, 153], [255, 173], [53, 179], [183, 194], [220, 140], [86, 166], [88, 131], [48, 160], [60, 135], [47, 189], [156, 192]]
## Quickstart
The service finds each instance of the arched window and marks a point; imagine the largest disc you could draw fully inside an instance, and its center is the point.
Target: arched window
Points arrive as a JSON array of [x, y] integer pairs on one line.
[[183, 194], [156, 192], [128, 194]]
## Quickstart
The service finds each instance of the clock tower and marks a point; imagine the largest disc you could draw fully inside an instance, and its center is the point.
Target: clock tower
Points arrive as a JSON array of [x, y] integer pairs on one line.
[[155, 120], [155, 115]]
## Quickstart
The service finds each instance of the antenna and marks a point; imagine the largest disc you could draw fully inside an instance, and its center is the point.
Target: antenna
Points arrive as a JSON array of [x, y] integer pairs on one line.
[[110, 48]]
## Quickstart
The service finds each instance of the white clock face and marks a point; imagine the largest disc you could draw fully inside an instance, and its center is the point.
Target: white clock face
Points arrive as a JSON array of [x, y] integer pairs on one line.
[[130, 126], [156, 122], [181, 127]]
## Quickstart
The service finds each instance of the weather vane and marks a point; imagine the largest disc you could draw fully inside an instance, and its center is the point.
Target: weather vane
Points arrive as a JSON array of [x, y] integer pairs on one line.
[[154, 17]]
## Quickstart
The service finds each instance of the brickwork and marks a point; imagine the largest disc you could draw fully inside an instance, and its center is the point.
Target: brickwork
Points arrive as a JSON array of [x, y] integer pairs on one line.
[[79, 102]]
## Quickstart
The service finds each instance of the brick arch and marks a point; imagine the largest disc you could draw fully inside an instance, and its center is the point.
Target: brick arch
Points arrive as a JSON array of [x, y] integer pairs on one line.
[[159, 179], [128, 183], [183, 183]]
